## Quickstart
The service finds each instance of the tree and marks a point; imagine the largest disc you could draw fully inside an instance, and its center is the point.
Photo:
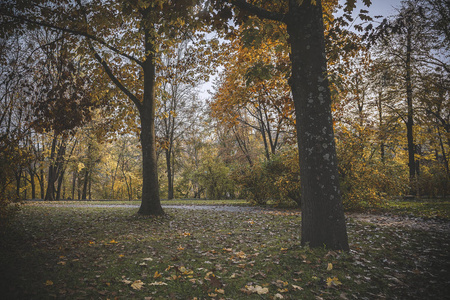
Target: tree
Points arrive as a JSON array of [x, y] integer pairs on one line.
[[323, 220], [129, 59], [411, 44], [179, 73]]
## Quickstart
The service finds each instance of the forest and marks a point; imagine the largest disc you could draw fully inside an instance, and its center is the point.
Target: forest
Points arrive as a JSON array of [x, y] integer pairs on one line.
[[87, 86], [224, 149]]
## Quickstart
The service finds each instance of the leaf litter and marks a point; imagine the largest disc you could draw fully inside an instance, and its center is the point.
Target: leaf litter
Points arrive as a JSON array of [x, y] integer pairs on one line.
[[218, 254]]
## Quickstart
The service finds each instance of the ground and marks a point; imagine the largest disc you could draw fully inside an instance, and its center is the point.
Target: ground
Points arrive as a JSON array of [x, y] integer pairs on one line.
[[110, 252]]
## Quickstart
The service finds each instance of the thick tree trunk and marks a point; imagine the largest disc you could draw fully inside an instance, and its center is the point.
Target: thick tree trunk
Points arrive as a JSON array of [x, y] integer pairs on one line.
[[323, 220], [151, 203]]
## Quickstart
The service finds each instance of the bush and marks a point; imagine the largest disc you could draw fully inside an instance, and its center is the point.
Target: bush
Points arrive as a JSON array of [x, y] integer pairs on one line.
[[275, 180], [367, 180]]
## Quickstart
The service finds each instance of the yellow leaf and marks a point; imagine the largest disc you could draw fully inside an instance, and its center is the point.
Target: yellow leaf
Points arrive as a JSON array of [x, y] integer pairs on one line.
[[257, 289], [157, 275], [333, 282], [48, 282], [330, 267], [220, 291], [296, 287], [137, 284], [113, 242]]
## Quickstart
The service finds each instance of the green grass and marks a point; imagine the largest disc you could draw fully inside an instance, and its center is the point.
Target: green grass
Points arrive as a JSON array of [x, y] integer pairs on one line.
[[422, 207], [98, 253]]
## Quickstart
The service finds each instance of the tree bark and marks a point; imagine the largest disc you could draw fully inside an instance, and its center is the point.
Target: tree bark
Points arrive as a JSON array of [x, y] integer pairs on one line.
[[169, 166], [50, 193], [85, 183], [323, 220], [410, 117], [151, 203]]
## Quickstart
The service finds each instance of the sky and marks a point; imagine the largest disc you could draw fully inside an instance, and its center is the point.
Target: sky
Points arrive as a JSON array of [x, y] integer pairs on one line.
[[379, 7], [383, 8]]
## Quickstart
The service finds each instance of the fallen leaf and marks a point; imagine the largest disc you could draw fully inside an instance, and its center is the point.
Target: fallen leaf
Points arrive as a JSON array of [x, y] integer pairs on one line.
[[137, 284], [296, 287], [158, 283], [220, 291], [257, 289], [157, 275], [333, 282], [278, 296], [48, 282], [148, 259], [330, 267]]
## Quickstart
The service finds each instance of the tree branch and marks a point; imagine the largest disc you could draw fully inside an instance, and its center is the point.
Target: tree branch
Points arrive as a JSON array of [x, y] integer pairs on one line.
[[258, 11], [114, 79], [76, 32]]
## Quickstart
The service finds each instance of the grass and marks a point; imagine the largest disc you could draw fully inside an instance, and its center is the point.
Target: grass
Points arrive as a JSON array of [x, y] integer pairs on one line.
[[107, 253], [423, 208], [234, 202]]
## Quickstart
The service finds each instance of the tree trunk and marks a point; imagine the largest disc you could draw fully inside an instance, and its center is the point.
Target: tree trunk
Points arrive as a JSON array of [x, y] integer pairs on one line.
[[41, 180], [59, 185], [323, 220], [33, 184], [169, 166], [18, 175], [151, 203], [74, 181], [85, 183], [410, 119], [50, 193]]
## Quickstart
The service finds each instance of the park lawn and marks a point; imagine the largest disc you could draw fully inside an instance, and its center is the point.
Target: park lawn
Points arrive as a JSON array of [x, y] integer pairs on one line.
[[110, 252]]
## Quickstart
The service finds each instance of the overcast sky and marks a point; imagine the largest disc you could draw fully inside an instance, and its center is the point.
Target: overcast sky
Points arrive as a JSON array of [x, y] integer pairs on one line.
[[383, 8]]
